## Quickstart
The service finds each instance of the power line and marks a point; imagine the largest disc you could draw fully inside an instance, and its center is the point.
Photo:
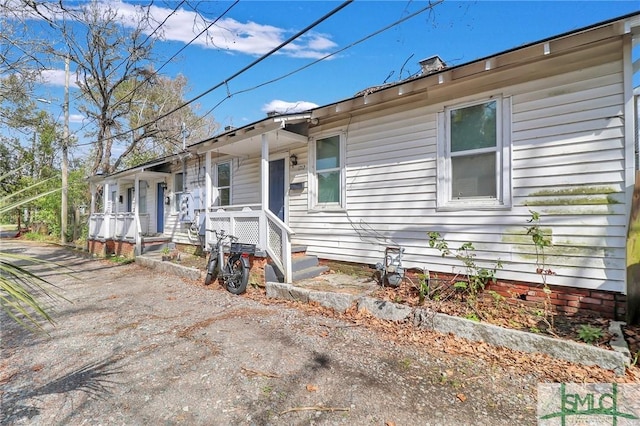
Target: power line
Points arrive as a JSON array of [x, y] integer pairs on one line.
[[154, 73], [430, 6], [236, 74], [295, 71]]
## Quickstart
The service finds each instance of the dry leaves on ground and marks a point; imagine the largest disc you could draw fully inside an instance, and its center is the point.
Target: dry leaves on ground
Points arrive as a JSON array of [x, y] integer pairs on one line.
[[543, 367]]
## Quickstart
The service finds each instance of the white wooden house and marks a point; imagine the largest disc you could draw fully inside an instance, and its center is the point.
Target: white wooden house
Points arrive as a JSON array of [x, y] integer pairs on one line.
[[466, 151]]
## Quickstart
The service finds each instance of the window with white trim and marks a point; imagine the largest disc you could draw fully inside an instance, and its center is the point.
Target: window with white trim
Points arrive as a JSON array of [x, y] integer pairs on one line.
[[474, 161], [327, 173], [142, 197], [222, 181], [178, 188]]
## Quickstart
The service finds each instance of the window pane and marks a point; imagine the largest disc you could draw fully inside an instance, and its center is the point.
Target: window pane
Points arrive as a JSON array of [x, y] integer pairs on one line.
[[473, 176], [473, 127], [178, 183], [223, 195], [142, 199], [328, 153], [329, 187], [224, 174]]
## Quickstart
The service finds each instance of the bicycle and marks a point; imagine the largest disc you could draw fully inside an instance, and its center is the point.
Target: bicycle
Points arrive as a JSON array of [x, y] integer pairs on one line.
[[235, 272], [391, 271]]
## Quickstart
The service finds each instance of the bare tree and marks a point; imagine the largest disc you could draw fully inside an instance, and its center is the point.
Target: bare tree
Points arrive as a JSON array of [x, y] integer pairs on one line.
[[158, 137], [120, 91]]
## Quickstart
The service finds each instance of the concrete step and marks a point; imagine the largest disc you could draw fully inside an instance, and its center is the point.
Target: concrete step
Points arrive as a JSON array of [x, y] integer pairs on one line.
[[299, 263], [308, 273], [156, 244], [303, 267]]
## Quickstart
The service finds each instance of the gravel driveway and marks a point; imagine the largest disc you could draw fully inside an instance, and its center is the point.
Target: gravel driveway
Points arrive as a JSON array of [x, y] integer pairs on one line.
[[138, 347]]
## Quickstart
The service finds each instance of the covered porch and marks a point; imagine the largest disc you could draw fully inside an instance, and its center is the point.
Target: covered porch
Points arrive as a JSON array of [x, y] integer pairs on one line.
[[264, 224], [127, 210]]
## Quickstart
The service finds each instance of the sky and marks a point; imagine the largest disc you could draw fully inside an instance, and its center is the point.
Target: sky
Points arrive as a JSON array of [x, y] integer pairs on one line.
[[362, 52]]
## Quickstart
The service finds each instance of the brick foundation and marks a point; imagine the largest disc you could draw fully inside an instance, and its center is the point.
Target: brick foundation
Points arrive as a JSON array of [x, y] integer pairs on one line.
[[104, 248], [568, 301]]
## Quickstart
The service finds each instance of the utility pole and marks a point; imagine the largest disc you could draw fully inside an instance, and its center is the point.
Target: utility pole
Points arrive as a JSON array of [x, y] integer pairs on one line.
[[65, 155]]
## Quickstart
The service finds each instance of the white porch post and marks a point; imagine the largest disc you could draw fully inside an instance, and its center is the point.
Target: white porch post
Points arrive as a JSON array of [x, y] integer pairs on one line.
[[136, 217], [116, 202], [134, 201], [207, 197], [106, 193], [92, 188], [264, 190]]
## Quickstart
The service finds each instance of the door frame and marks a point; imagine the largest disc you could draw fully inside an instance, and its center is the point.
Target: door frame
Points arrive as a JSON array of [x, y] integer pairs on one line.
[[283, 156]]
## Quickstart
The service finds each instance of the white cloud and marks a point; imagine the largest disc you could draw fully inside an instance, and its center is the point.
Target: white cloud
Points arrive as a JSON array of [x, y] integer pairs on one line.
[[228, 34], [56, 78], [284, 107], [76, 118]]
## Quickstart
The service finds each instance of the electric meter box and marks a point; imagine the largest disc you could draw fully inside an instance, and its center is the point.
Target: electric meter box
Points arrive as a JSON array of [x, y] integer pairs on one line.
[[190, 202]]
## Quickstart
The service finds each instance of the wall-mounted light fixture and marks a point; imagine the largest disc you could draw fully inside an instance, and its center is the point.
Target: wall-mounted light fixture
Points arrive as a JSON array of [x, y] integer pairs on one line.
[[163, 185], [293, 159]]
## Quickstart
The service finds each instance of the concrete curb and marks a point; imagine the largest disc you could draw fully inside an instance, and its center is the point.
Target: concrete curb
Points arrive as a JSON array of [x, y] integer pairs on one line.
[[169, 267], [616, 359]]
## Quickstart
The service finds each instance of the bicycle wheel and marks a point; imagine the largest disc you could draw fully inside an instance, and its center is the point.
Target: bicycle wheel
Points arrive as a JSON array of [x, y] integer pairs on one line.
[[237, 275], [212, 269]]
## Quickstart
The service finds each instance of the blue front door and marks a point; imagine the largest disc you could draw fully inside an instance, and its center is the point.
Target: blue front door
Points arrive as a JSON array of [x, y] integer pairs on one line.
[[160, 209], [276, 187]]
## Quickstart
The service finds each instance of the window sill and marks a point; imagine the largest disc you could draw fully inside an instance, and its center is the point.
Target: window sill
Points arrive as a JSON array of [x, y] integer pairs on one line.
[[327, 209], [470, 206]]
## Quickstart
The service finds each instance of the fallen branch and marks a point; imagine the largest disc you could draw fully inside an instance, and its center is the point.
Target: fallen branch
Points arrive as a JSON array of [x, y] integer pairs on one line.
[[251, 372], [316, 408]]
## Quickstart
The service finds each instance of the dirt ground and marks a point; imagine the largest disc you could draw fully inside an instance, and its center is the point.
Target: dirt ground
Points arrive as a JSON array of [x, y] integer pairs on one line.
[[136, 347]]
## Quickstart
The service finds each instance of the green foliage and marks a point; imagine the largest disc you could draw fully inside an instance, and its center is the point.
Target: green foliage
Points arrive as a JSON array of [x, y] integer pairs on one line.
[[497, 297], [589, 334], [424, 287], [541, 241], [476, 277], [439, 243], [20, 289], [472, 316], [122, 260]]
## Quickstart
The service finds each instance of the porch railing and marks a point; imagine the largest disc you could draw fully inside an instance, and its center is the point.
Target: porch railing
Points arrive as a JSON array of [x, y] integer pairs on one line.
[[253, 225], [118, 226]]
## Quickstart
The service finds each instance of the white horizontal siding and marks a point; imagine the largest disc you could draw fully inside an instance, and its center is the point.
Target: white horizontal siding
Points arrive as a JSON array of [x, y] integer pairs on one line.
[[151, 205], [567, 136], [245, 181], [195, 181]]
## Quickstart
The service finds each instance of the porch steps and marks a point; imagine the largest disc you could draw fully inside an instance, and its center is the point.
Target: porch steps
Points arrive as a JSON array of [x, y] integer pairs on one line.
[[156, 243], [303, 267]]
